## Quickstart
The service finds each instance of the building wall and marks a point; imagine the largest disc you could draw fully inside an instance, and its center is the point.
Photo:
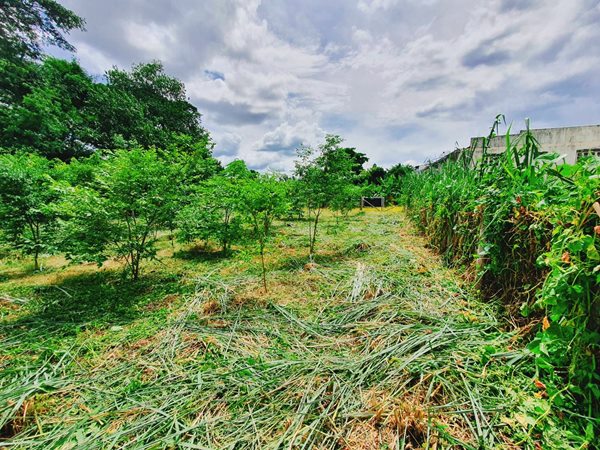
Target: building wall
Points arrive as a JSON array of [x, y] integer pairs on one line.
[[564, 141]]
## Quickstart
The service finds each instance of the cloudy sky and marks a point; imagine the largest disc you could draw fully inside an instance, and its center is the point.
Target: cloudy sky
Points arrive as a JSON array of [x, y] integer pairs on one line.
[[401, 80]]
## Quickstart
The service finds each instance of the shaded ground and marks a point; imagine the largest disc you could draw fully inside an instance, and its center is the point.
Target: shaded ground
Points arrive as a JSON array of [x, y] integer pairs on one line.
[[375, 346]]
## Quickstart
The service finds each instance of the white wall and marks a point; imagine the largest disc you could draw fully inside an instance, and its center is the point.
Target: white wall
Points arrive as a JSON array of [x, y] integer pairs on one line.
[[564, 141]]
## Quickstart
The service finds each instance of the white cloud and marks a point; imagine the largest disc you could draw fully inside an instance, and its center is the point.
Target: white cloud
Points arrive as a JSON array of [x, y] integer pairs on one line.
[[93, 59], [399, 79], [227, 144], [151, 39]]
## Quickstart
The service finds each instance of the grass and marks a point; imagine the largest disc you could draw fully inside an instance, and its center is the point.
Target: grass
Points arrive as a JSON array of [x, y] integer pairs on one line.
[[374, 345]]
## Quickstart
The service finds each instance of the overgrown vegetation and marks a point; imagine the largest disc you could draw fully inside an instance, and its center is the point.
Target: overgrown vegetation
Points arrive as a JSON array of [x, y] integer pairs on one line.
[[373, 345], [232, 328], [524, 224]]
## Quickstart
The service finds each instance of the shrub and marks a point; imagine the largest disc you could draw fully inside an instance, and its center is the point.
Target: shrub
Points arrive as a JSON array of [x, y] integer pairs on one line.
[[262, 199], [214, 211], [325, 179], [28, 200], [120, 214]]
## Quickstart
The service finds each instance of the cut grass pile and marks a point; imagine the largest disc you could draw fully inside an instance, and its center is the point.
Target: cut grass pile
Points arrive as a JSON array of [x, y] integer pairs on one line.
[[374, 345]]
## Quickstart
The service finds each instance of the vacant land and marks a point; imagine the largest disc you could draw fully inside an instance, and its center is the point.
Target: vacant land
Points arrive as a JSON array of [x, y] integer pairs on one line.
[[374, 345]]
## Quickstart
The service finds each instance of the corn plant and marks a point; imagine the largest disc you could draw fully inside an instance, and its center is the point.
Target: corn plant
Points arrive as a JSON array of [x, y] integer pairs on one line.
[[522, 225]]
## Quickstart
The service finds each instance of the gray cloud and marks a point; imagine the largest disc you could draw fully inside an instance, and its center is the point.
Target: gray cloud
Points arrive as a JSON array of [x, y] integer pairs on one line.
[[579, 85], [215, 75], [516, 5], [288, 148], [399, 79], [181, 34], [227, 113], [227, 145], [485, 56]]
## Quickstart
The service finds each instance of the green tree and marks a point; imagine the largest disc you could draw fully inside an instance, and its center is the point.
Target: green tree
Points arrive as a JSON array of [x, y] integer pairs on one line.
[[391, 185], [28, 199], [345, 199], [325, 175], [262, 199], [121, 213], [194, 158], [213, 212], [400, 170], [47, 114], [357, 159], [164, 103], [296, 198], [374, 175], [117, 118], [27, 25], [55, 109], [16, 80]]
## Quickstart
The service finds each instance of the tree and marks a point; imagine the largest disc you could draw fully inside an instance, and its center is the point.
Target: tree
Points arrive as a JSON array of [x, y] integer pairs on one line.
[[27, 25], [117, 118], [374, 175], [28, 199], [262, 199], [54, 108], [50, 117], [213, 212], [324, 175], [296, 198], [357, 159], [391, 184], [164, 103], [16, 80], [194, 158], [400, 170], [119, 216], [345, 199]]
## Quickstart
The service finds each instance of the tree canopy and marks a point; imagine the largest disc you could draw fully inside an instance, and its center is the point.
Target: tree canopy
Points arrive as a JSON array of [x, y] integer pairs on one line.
[[326, 175], [120, 214], [27, 25], [163, 102], [57, 110]]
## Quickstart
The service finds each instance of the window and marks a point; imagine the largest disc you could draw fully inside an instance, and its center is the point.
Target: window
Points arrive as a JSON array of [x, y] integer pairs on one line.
[[584, 153]]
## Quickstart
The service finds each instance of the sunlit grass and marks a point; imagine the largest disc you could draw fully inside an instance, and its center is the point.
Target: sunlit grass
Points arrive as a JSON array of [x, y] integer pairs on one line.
[[372, 345]]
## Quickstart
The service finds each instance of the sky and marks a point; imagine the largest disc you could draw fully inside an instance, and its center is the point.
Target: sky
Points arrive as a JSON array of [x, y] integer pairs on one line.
[[401, 80]]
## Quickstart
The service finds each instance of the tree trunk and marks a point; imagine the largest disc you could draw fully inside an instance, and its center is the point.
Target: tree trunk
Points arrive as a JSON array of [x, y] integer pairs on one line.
[[264, 269], [313, 238], [226, 232], [310, 233], [135, 267], [35, 230]]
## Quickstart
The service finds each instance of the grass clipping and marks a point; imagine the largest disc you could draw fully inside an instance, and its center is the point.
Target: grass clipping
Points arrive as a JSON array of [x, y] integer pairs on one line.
[[373, 349]]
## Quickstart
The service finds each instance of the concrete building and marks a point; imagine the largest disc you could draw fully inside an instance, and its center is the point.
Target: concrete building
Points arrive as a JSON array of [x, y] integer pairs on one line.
[[571, 142]]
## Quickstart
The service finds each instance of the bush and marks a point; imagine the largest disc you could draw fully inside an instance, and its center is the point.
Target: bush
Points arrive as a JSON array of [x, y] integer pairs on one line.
[[214, 211], [28, 200], [120, 213], [262, 200]]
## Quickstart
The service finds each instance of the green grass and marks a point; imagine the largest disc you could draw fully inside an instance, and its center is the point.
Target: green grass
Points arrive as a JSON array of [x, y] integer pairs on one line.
[[374, 346]]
